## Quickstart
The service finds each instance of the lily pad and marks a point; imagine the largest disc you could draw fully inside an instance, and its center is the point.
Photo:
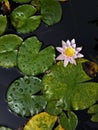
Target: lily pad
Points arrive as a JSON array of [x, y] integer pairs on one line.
[[9, 45], [32, 61], [3, 24], [21, 1], [69, 121], [68, 87], [42, 121], [23, 20], [4, 128], [23, 96], [93, 110], [55, 107], [59, 127], [30, 24], [51, 11]]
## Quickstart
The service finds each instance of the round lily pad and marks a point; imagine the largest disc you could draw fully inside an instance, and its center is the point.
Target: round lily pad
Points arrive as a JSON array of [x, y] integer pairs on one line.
[[93, 110], [68, 121], [24, 98], [42, 121], [23, 18], [30, 24], [51, 11], [3, 24], [9, 42], [9, 45], [67, 86], [32, 60]]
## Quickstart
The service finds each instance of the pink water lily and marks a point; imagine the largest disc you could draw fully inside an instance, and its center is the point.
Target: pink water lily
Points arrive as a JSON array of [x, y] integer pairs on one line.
[[69, 52]]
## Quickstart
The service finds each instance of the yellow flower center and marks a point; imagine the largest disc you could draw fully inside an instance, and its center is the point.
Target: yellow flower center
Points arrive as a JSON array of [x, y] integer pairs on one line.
[[69, 52]]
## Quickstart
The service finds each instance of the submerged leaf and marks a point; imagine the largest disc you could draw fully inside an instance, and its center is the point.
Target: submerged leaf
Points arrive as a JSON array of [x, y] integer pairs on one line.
[[91, 68], [51, 11], [42, 121], [94, 111], [69, 121], [3, 24], [8, 50], [32, 61], [22, 96], [68, 86], [4, 128]]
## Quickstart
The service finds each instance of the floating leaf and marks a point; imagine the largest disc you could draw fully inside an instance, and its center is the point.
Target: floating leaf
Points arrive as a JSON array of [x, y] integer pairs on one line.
[[4, 128], [55, 107], [32, 61], [51, 11], [22, 19], [21, 1], [22, 96], [30, 24], [59, 127], [69, 121], [8, 49], [42, 121], [68, 86], [3, 24], [94, 111]]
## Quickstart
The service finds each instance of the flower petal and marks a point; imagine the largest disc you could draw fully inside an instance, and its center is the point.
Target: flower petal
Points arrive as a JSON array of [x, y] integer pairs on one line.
[[60, 57], [79, 55], [68, 43], [72, 61], [73, 41], [65, 62], [59, 49], [73, 45], [78, 49], [63, 44]]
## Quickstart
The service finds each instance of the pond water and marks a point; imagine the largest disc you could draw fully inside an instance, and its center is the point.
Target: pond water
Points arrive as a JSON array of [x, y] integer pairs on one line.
[[76, 23]]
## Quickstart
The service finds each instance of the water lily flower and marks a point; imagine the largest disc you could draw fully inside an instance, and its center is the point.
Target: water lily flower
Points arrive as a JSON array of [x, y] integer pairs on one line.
[[69, 52]]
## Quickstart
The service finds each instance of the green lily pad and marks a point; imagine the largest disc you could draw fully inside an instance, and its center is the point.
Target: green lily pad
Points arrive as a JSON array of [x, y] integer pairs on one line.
[[3, 24], [55, 107], [67, 86], [23, 97], [4, 128], [32, 61], [93, 110], [69, 121], [51, 11], [30, 24], [23, 20], [8, 49], [21, 1]]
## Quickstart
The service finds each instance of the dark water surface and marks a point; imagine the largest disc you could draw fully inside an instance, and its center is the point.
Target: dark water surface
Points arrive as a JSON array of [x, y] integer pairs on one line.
[[75, 23]]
